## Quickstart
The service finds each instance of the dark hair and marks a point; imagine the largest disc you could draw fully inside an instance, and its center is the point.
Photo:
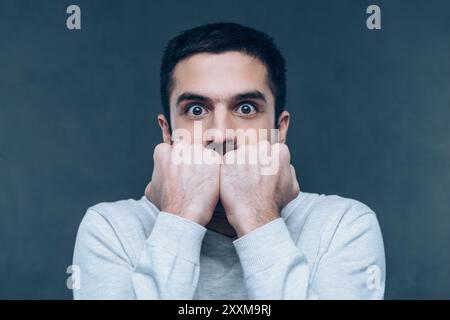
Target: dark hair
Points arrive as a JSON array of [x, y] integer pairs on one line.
[[219, 38]]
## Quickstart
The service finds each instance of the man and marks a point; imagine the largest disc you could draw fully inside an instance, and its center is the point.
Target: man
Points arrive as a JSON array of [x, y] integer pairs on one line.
[[220, 228]]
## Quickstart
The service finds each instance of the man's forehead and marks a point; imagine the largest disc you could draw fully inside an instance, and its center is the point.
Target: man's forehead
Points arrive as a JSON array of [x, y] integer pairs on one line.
[[220, 76], [228, 59]]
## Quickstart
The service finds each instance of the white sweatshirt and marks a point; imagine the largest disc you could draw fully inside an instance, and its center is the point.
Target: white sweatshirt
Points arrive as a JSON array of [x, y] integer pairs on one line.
[[322, 247]]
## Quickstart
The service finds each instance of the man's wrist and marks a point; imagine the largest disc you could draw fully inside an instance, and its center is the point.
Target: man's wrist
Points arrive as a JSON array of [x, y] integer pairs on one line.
[[265, 246], [177, 235], [253, 221], [183, 211]]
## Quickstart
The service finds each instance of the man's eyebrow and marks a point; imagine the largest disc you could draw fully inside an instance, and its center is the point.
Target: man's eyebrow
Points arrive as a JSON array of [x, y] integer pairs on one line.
[[254, 95], [192, 96]]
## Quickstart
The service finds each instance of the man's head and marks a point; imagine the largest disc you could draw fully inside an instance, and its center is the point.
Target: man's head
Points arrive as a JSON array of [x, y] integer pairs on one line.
[[223, 76]]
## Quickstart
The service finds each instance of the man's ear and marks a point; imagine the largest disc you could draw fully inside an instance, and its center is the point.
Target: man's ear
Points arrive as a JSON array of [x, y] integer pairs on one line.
[[165, 130], [283, 125]]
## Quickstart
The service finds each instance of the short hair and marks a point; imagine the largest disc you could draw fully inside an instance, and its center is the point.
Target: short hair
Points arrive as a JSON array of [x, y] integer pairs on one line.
[[219, 38]]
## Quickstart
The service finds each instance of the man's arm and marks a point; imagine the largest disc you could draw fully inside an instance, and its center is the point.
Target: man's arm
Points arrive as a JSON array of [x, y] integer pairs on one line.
[[353, 267], [168, 267], [274, 267]]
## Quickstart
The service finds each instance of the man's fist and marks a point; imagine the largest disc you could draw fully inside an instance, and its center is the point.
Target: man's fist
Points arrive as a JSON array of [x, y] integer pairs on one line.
[[184, 187], [250, 194]]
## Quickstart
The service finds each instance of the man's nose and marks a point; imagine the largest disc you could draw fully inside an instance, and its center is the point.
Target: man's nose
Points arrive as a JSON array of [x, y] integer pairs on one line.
[[220, 134]]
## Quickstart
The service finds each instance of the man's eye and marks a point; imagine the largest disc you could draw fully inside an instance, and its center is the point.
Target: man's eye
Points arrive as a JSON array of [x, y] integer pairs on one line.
[[196, 110], [246, 109]]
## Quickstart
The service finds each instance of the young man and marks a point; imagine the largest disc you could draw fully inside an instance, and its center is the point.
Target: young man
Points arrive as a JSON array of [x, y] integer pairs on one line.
[[219, 229]]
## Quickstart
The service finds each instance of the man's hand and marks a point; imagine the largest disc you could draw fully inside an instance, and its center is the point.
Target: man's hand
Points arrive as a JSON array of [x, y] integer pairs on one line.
[[252, 199], [189, 190]]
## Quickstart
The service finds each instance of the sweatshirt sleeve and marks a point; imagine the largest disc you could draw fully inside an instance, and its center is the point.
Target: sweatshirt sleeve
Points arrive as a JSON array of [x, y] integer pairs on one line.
[[353, 267], [167, 268], [275, 268]]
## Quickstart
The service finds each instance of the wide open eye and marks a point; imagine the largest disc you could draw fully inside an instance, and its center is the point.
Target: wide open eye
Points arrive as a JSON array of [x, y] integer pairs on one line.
[[196, 110], [246, 109]]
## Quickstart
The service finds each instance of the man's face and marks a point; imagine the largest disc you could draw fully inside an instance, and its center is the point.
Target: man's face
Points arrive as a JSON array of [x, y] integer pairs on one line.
[[221, 91]]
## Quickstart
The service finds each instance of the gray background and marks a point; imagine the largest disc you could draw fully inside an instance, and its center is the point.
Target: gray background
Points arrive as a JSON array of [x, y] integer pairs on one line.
[[78, 121]]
